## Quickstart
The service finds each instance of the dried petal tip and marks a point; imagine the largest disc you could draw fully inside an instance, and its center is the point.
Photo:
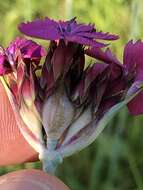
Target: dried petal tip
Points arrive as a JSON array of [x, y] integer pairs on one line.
[[49, 29]]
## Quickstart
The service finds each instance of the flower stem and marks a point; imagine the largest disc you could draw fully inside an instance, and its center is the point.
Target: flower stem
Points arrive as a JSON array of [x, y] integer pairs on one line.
[[51, 144], [50, 159]]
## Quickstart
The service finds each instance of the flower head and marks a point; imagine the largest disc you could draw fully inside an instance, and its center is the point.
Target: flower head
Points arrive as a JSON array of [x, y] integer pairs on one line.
[[133, 63], [130, 72], [64, 104], [27, 50], [20, 60], [70, 31]]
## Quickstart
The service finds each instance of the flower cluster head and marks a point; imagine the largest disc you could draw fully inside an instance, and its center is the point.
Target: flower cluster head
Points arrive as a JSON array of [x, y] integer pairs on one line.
[[60, 102]]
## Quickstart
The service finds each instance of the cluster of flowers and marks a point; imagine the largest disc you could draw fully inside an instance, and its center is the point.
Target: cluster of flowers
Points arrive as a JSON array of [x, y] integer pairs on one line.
[[61, 104]]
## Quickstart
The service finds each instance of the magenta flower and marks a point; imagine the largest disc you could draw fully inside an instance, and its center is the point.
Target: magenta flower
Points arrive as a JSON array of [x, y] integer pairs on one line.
[[128, 75], [70, 31], [27, 50], [18, 63], [133, 63], [61, 105]]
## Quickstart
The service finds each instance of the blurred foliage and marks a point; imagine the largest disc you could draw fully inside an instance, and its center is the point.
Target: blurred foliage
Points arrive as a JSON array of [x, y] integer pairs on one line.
[[115, 159]]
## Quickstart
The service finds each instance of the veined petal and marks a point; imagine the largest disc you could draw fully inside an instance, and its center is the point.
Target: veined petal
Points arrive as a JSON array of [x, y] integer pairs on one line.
[[45, 29], [133, 59], [28, 49], [69, 30], [99, 35], [62, 59], [78, 28], [85, 41], [128, 57]]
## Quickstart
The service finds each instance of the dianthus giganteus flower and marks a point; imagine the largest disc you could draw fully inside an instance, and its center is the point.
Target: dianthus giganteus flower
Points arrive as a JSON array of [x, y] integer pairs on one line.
[[61, 105]]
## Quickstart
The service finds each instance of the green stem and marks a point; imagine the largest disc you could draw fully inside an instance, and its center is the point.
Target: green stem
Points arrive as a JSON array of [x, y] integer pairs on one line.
[[50, 159]]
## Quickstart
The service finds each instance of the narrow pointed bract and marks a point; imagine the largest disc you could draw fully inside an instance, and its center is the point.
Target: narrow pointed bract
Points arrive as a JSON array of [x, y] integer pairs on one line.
[[64, 103]]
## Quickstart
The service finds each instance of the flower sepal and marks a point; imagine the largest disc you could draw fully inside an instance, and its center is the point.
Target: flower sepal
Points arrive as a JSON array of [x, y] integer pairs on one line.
[[89, 132], [50, 159]]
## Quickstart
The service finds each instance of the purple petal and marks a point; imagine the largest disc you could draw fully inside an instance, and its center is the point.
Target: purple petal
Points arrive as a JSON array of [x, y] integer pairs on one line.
[[32, 50], [78, 28], [139, 60], [133, 59], [99, 35], [128, 59], [28, 48], [69, 30], [105, 36], [116, 68], [44, 29], [106, 56], [58, 61], [62, 59], [133, 62], [86, 41]]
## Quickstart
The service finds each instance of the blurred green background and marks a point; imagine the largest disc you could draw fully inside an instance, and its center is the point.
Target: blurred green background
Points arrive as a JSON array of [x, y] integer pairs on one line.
[[115, 160]]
